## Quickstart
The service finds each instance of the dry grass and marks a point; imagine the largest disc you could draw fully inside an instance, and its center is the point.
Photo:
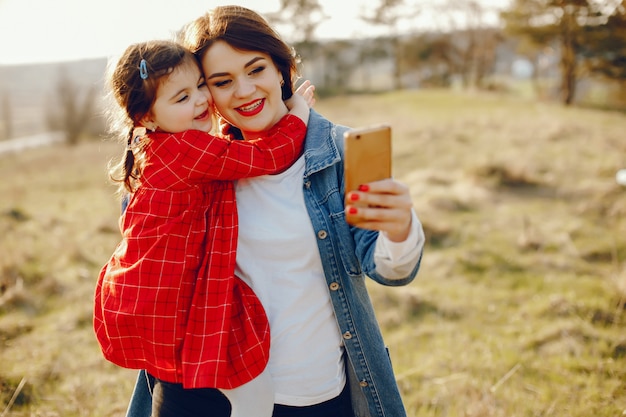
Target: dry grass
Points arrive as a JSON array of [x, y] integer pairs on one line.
[[518, 309]]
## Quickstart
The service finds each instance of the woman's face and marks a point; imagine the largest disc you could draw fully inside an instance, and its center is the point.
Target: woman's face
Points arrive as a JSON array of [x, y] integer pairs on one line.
[[245, 86]]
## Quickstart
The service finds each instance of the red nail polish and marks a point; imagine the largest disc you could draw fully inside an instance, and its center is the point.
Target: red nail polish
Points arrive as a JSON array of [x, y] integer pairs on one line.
[[364, 187], [354, 196], [353, 210]]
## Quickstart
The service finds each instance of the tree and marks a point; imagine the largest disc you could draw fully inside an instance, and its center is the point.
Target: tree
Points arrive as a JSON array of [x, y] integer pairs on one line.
[[566, 23], [474, 41], [371, 52], [68, 115], [338, 63], [388, 13], [605, 49], [435, 55], [304, 16]]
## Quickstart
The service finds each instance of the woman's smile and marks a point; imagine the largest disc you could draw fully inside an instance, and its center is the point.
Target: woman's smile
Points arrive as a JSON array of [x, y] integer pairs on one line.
[[252, 108]]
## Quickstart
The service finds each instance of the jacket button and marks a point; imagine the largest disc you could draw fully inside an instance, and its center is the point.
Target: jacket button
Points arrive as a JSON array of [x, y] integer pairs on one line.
[[322, 234], [334, 286], [347, 335], [363, 383], [307, 184]]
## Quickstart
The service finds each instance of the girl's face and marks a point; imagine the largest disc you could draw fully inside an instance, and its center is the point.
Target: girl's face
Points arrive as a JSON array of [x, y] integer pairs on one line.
[[245, 86], [182, 102]]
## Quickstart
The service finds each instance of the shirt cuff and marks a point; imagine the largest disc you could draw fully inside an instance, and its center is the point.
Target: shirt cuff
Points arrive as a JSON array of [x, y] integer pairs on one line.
[[398, 256]]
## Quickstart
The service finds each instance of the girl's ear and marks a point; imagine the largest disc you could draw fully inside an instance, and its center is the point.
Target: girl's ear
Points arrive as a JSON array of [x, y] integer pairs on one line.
[[145, 120], [148, 122]]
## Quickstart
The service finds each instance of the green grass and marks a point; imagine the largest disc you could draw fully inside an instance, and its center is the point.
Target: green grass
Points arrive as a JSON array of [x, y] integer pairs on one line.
[[518, 309]]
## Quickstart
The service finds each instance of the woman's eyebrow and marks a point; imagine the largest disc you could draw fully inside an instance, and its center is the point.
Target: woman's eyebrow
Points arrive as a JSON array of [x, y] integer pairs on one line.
[[247, 64], [217, 74], [253, 60]]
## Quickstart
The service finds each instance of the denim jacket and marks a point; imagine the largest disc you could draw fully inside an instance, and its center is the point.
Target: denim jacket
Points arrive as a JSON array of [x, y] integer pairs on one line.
[[348, 258]]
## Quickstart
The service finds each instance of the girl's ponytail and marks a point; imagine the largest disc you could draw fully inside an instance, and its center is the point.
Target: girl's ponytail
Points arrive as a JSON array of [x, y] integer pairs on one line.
[[128, 169], [129, 161]]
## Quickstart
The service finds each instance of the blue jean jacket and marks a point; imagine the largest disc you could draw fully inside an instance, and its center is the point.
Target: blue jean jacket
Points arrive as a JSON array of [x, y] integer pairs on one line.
[[348, 258]]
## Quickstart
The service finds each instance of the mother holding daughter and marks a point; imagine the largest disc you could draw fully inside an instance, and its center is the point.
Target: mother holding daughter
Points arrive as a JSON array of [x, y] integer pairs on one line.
[[305, 245]]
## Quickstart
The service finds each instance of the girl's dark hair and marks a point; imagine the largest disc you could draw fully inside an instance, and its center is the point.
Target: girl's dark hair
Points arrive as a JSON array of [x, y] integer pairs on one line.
[[133, 84], [245, 30]]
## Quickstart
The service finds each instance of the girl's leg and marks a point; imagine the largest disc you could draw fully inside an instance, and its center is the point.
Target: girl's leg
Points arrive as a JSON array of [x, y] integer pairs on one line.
[[172, 400], [253, 399], [141, 400]]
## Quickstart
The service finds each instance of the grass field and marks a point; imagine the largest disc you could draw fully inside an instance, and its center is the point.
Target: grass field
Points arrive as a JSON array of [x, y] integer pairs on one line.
[[518, 309]]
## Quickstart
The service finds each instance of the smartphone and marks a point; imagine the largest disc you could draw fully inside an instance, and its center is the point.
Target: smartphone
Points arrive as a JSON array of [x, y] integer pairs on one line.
[[367, 155]]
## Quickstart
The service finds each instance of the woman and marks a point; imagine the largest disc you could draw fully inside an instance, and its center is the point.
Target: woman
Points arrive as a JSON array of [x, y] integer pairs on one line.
[[303, 246]]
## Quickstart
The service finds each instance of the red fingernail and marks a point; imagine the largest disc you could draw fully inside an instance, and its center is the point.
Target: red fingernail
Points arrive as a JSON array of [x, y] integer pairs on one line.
[[364, 187], [354, 196], [352, 210]]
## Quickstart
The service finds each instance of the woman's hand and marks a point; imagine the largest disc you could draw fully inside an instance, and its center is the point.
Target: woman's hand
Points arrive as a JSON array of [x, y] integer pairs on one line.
[[382, 205]]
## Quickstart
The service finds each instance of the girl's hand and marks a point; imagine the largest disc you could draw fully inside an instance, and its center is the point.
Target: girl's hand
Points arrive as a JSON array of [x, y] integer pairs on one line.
[[307, 90], [382, 205], [298, 106]]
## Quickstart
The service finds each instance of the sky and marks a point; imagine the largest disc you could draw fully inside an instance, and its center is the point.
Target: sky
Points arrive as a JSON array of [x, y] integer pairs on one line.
[[59, 30], [64, 30]]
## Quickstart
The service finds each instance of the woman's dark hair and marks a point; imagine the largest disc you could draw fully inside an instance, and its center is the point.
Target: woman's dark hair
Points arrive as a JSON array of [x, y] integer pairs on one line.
[[245, 30], [133, 83]]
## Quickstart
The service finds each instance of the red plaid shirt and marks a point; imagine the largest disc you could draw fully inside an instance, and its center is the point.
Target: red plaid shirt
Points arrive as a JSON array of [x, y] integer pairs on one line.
[[168, 300]]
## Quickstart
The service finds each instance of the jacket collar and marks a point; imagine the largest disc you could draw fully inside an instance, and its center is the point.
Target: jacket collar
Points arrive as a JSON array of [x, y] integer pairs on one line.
[[320, 148]]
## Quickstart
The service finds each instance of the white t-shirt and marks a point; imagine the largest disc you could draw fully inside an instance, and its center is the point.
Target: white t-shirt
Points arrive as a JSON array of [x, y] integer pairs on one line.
[[277, 256]]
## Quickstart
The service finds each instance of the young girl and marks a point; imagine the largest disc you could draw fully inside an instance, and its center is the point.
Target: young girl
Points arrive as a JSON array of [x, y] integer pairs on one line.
[[168, 300]]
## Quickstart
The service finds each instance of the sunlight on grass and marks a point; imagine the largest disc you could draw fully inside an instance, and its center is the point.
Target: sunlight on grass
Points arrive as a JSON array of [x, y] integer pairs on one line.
[[518, 309]]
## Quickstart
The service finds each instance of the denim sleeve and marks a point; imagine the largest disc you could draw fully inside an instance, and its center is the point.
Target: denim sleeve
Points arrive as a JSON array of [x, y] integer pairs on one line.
[[125, 201], [141, 401]]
